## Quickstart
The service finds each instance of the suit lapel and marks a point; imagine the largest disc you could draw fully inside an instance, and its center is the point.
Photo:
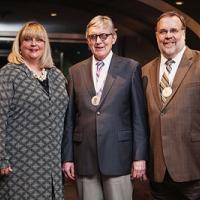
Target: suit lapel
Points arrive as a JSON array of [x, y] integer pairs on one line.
[[86, 70], [182, 70], [154, 77], [111, 76]]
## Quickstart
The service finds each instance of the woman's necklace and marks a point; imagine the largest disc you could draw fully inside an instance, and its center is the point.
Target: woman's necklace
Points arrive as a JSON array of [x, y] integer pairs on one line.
[[41, 77]]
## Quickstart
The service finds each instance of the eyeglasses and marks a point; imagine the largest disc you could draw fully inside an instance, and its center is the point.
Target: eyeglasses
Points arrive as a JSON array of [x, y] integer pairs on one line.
[[102, 36], [36, 40], [172, 31]]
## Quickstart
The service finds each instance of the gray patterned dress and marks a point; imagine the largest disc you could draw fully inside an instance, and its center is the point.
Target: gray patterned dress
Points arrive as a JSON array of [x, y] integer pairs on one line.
[[31, 129]]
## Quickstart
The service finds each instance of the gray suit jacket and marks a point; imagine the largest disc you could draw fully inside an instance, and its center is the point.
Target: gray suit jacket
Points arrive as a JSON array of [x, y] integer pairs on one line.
[[31, 130], [175, 126], [109, 136]]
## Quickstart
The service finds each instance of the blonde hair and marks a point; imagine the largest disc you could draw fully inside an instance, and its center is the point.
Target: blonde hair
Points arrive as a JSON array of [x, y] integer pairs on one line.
[[104, 21], [31, 30]]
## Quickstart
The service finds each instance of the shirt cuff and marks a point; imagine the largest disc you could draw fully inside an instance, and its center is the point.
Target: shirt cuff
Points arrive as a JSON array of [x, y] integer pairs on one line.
[[4, 164]]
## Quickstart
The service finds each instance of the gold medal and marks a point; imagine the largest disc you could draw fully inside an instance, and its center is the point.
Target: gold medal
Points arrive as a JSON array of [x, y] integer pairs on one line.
[[95, 100], [167, 92]]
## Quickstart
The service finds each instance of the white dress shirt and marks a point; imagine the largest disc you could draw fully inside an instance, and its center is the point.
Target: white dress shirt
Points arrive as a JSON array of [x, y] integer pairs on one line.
[[174, 66], [103, 74]]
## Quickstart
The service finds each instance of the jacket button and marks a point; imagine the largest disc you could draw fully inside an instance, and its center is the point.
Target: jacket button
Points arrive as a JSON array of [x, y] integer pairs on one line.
[[163, 113], [98, 113]]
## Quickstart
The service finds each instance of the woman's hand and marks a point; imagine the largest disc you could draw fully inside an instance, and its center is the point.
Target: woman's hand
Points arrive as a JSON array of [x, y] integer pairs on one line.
[[5, 171]]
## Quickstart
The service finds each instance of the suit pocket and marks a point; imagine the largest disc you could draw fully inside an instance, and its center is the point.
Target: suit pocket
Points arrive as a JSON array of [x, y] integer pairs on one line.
[[124, 135], [195, 136], [77, 137]]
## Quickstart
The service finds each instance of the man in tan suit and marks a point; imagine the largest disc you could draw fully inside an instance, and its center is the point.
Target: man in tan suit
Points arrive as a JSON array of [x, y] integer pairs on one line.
[[172, 88]]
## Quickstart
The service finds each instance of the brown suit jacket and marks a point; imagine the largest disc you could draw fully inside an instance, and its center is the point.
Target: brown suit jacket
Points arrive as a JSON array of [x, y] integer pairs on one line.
[[175, 126]]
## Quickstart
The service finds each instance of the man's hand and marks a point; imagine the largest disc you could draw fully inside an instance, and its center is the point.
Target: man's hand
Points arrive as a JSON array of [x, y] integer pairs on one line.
[[68, 170], [138, 170]]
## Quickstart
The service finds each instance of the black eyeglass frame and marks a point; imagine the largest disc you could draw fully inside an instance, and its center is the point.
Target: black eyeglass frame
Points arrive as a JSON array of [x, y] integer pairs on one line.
[[102, 36]]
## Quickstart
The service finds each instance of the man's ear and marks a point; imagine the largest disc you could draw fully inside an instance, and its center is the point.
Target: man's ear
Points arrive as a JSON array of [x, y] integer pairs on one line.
[[114, 38]]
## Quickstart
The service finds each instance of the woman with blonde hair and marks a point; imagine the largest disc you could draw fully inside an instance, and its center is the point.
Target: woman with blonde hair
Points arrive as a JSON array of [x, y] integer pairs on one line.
[[33, 103]]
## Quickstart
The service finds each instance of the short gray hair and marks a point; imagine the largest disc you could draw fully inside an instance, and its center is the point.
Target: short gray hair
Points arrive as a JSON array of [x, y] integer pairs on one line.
[[100, 20]]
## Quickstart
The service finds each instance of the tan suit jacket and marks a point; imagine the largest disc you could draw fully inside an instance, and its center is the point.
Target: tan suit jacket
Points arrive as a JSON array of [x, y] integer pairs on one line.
[[175, 126]]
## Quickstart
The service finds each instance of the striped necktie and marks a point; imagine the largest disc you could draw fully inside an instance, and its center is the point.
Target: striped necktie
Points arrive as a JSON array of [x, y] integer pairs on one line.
[[164, 82], [99, 65]]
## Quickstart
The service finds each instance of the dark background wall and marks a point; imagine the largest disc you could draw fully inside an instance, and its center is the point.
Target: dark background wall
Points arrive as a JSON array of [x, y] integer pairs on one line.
[[134, 19]]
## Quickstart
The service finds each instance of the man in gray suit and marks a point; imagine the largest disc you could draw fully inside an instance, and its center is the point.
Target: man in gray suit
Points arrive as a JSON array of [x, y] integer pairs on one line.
[[105, 141], [172, 87]]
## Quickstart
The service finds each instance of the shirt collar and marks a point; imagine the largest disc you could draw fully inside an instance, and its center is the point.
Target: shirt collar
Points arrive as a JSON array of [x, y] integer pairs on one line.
[[107, 59], [177, 58]]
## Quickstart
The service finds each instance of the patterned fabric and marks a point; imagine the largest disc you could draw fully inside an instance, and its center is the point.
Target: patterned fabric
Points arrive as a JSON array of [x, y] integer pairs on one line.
[[99, 65], [99, 83], [31, 129], [164, 82]]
